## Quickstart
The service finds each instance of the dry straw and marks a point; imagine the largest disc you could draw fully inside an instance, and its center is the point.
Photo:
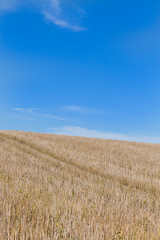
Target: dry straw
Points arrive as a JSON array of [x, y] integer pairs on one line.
[[59, 187]]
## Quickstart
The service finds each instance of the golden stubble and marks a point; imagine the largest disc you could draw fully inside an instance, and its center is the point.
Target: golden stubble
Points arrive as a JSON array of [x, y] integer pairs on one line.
[[61, 187]]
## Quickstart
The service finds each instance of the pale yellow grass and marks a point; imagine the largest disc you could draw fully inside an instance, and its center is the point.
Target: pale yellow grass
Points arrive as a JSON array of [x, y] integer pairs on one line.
[[58, 187]]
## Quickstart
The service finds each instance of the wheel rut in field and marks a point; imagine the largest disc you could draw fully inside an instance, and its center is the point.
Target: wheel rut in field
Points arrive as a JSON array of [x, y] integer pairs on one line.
[[34, 149], [37, 149]]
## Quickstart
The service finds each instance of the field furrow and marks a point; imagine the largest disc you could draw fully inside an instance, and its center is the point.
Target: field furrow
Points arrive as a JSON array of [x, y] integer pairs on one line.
[[58, 187]]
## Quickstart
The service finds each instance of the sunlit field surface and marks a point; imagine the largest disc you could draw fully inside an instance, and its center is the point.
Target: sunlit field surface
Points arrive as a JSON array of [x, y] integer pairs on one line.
[[60, 187]]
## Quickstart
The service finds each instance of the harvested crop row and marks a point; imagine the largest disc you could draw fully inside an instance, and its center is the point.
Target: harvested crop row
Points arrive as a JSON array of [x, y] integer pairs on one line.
[[59, 187]]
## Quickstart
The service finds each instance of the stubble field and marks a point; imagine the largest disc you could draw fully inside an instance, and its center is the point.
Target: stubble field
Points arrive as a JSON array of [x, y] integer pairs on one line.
[[59, 187]]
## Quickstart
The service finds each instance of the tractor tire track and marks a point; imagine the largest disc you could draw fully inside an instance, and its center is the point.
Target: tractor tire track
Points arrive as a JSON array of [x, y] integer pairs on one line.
[[26, 146]]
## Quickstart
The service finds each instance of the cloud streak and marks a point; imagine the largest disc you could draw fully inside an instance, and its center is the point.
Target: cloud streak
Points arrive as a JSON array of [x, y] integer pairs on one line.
[[25, 110], [62, 23], [85, 132], [78, 109], [36, 113], [53, 10]]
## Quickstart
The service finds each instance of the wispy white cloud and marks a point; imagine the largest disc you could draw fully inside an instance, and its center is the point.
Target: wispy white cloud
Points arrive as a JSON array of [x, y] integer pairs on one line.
[[78, 109], [62, 23], [36, 113], [89, 111], [18, 109], [85, 132], [53, 10], [50, 116], [25, 110]]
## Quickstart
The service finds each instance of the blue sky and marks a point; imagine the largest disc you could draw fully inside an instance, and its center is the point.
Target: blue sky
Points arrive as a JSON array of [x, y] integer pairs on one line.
[[86, 68]]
